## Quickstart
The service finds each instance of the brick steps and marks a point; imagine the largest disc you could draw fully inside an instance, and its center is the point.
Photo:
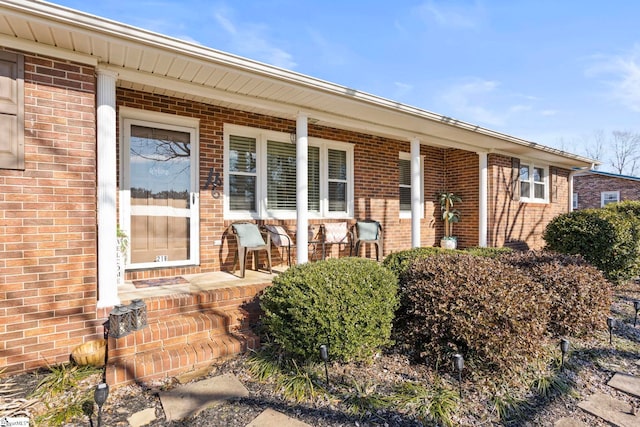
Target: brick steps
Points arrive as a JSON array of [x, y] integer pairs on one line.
[[185, 332]]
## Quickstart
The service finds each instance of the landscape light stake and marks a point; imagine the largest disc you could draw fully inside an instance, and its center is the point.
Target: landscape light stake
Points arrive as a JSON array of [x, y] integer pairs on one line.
[[458, 363], [564, 348], [100, 396], [324, 355], [611, 323], [636, 306]]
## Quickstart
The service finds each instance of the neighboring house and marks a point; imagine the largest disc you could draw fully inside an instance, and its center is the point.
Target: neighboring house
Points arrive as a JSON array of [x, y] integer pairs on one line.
[[595, 189], [104, 124]]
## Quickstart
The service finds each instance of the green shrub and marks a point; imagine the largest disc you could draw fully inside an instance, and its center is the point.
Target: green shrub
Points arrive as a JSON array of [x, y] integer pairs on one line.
[[347, 303], [398, 262], [579, 293], [605, 238], [631, 207], [488, 252], [487, 310]]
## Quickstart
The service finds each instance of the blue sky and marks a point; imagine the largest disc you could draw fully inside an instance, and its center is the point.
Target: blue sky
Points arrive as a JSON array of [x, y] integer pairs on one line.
[[553, 72]]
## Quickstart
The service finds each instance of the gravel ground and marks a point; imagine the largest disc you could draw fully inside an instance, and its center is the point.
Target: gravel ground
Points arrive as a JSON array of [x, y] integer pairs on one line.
[[589, 366]]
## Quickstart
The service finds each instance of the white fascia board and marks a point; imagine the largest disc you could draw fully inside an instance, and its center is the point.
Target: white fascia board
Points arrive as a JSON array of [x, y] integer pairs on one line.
[[46, 50]]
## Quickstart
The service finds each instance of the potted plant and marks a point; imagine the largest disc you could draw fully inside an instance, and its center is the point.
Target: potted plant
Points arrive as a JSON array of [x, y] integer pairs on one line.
[[449, 216]]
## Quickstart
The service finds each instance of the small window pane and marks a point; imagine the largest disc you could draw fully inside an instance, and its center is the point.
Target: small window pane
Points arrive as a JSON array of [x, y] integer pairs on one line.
[[242, 154], [314, 179], [524, 172], [405, 172], [538, 174], [281, 176], [242, 192], [337, 164], [337, 197], [538, 190], [405, 198], [525, 189]]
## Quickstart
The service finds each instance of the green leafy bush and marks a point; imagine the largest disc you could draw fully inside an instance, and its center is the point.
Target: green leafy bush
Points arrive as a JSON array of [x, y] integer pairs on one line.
[[398, 262], [347, 303], [488, 252], [487, 310], [580, 295], [631, 207], [607, 239]]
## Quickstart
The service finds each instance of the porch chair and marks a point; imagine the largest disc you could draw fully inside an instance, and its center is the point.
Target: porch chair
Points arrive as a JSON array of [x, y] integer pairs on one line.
[[336, 233], [368, 231], [250, 239], [281, 239]]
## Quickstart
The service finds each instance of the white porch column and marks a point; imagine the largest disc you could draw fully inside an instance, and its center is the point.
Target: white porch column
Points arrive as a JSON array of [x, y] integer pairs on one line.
[[302, 189], [570, 207], [416, 187], [107, 239], [482, 205]]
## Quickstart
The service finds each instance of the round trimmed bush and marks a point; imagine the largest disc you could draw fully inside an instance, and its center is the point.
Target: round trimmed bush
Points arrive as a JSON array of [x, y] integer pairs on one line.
[[487, 310], [579, 293], [347, 303], [607, 239]]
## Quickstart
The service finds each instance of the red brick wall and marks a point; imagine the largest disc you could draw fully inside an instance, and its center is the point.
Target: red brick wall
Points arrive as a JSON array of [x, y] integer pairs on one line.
[[48, 221], [514, 223], [590, 187]]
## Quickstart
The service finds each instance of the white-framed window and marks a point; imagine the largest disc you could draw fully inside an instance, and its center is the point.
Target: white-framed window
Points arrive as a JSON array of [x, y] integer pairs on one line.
[[534, 183], [260, 175], [575, 200], [607, 197], [404, 168]]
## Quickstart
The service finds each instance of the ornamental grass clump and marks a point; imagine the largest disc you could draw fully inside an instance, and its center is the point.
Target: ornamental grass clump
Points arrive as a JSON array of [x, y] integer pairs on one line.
[[347, 304], [579, 293], [478, 306]]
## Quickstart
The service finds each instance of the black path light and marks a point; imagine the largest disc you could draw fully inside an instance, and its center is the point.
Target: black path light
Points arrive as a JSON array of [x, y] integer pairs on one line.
[[636, 306], [564, 348], [611, 323], [324, 355], [458, 363], [100, 396]]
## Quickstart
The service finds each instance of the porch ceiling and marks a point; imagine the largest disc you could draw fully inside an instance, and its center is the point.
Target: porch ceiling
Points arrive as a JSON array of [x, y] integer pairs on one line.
[[155, 63]]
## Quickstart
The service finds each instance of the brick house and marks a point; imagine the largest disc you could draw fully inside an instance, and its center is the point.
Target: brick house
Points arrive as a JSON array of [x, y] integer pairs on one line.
[[595, 189], [106, 126]]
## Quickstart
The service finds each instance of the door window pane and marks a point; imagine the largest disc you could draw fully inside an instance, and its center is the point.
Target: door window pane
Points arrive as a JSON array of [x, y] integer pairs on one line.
[[160, 188]]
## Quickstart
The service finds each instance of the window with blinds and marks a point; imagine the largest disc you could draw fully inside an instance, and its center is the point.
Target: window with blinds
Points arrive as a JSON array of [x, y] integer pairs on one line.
[[242, 173], [337, 180], [281, 176], [260, 178], [405, 184]]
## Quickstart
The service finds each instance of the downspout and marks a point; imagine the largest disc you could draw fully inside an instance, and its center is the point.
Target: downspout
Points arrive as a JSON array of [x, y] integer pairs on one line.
[[302, 188]]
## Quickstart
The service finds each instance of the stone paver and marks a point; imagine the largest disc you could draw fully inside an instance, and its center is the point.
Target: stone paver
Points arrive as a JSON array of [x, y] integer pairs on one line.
[[271, 418], [193, 398], [611, 410], [569, 422], [627, 383], [142, 418]]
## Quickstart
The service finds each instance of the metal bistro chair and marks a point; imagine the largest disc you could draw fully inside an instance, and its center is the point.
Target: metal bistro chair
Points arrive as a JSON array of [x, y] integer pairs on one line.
[[368, 231], [336, 233], [281, 239], [250, 239]]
